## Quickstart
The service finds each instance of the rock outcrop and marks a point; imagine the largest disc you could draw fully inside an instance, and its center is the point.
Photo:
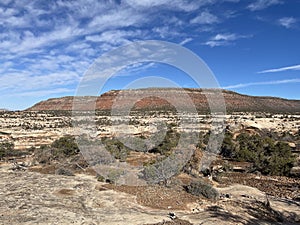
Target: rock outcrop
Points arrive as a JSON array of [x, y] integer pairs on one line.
[[235, 102]]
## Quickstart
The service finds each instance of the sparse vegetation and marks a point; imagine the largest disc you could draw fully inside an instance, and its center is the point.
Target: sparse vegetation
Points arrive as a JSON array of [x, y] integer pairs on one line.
[[64, 172], [66, 145], [202, 188], [170, 141], [268, 156], [62, 148], [116, 148], [267, 150], [7, 150]]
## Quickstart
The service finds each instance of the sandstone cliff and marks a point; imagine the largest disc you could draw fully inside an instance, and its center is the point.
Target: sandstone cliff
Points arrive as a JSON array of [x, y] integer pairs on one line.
[[235, 102]]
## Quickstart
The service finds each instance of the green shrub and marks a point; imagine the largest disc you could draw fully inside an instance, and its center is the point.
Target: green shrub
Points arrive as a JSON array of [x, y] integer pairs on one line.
[[7, 150], [280, 161], [201, 188], [168, 144], [66, 145], [246, 155], [116, 148], [100, 178], [162, 170], [64, 172], [59, 149], [227, 148], [268, 156]]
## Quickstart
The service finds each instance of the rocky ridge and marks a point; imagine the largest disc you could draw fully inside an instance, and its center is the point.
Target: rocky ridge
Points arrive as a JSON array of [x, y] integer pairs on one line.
[[235, 102]]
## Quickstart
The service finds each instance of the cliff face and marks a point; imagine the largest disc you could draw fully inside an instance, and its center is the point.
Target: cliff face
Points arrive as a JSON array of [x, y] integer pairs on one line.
[[157, 98]]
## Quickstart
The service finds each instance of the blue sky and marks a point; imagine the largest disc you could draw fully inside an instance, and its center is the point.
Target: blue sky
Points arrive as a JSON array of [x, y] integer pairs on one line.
[[46, 46]]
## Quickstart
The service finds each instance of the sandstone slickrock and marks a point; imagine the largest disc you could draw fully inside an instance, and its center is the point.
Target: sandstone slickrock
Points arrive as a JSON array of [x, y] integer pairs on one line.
[[34, 198]]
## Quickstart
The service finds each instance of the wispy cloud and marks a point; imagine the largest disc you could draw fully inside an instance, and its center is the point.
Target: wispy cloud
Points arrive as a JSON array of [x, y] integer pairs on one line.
[[288, 68], [41, 93], [165, 32], [116, 19], [224, 39], [287, 22], [49, 45], [263, 4], [115, 37], [205, 18], [135, 69], [274, 82], [26, 81], [177, 5], [185, 41]]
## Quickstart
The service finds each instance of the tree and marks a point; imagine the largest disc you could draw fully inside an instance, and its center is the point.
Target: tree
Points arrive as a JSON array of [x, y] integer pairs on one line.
[[228, 147], [268, 156], [66, 145], [6, 149]]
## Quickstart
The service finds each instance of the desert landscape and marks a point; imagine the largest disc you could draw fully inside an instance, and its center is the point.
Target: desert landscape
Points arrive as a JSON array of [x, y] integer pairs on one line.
[[253, 179], [149, 112]]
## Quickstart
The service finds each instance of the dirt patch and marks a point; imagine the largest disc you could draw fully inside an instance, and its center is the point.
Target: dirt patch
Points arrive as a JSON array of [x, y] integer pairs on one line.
[[66, 192], [281, 187], [140, 158], [158, 197], [173, 222], [184, 178], [50, 169], [47, 169]]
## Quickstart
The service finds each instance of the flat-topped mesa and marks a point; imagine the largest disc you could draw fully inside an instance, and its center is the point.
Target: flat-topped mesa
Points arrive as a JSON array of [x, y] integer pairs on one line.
[[63, 103], [156, 98]]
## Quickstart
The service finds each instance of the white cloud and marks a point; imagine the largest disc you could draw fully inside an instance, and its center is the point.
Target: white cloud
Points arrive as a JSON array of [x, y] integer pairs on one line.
[[57, 28], [147, 3], [135, 69], [185, 41], [165, 32], [116, 19], [26, 81], [288, 68], [17, 22], [287, 22], [17, 45], [205, 18], [60, 23], [115, 37], [8, 12], [78, 47], [178, 5], [224, 39], [5, 65], [274, 82], [6, 2], [49, 45], [216, 43], [83, 8], [41, 93], [263, 4]]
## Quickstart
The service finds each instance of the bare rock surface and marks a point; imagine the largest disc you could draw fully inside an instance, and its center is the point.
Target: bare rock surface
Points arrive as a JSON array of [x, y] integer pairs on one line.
[[34, 198]]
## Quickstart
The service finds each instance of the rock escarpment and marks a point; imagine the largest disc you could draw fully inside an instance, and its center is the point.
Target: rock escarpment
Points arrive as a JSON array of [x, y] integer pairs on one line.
[[235, 102]]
